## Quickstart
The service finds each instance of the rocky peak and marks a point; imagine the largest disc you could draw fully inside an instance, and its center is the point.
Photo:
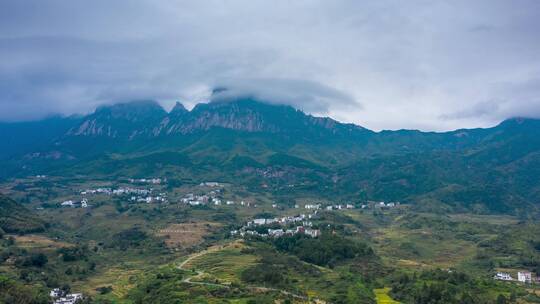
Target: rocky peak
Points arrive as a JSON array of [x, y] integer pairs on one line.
[[121, 120], [133, 111], [178, 109]]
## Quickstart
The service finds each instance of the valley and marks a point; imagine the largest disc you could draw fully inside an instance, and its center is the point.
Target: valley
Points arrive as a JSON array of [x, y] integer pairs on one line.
[[269, 152], [112, 249]]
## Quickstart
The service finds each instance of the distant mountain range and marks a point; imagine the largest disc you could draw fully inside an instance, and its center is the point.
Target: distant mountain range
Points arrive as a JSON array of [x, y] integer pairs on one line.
[[488, 170]]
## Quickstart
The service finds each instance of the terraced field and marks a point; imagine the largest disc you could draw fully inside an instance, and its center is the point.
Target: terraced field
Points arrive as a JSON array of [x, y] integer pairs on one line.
[[224, 263], [186, 235]]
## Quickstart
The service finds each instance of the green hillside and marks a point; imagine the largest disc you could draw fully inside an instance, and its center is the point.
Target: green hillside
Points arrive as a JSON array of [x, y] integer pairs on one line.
[[15, 218]]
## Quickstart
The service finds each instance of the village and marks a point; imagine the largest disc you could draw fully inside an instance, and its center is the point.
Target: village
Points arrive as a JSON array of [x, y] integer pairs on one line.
[[139, 195], [211, 194], [135, 195], [299, 224], [368, 205]]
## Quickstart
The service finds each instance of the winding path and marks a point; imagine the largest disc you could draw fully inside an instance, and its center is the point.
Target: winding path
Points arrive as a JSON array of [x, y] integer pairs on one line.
[[199, 273]]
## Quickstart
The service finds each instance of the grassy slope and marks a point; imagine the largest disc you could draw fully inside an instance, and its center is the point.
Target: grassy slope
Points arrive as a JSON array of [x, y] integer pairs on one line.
[[15, 218], [383, 297]]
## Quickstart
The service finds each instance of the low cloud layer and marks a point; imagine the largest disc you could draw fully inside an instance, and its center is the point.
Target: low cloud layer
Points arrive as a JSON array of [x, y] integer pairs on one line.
[[305, 95], [432, 65]]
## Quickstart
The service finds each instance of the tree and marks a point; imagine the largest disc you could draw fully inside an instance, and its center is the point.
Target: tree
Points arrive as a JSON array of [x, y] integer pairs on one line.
[[501, 299], [38, 260]]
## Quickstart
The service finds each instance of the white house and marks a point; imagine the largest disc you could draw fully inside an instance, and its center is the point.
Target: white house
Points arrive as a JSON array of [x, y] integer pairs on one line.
[[270, 221], [68, 203], [524, 276], [210, 184], [71, 298], [312, 232], [275, 232], [503, 276], [259, 221], [56, 293]]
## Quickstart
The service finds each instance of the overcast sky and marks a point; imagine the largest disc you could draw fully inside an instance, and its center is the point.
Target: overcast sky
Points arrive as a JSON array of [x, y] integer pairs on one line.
[[430, 65]]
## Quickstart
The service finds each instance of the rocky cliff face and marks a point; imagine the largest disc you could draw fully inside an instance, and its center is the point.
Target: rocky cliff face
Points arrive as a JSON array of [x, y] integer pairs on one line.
[[240, 116], [147, 119], [125, 120]]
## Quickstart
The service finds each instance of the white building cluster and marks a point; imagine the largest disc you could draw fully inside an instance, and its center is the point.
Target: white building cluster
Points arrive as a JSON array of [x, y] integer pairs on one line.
[[61, 297], [302, 221], [276, 233], [328, 207], [282, 220], [137, 194], [75, 204], [153, 181], [196, 200], [380, 205], [129, 190], [118, 191], [161, 198], [503, 276], [522, 276], [339, 207], [210, 198], [387, 205], [210, 184], [312, 206]]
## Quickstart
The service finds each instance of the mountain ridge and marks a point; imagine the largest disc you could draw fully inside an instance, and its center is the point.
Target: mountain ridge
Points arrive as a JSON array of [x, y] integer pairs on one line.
[[139, 123], [247, 141], [116, 111]]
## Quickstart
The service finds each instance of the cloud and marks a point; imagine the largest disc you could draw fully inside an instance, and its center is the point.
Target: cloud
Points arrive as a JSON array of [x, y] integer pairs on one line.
[[305, 95], [384, 64], [478, 110], [518, 99]]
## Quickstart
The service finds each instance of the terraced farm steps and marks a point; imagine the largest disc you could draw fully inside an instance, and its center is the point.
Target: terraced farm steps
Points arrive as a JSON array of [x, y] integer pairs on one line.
[[190, 264]]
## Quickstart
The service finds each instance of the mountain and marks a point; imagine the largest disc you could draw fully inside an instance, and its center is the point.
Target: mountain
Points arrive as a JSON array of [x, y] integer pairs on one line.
[[25, 137], [252, 116], [146, 119], [121, 121], [15, 218], [243, 126], [254, 143]]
